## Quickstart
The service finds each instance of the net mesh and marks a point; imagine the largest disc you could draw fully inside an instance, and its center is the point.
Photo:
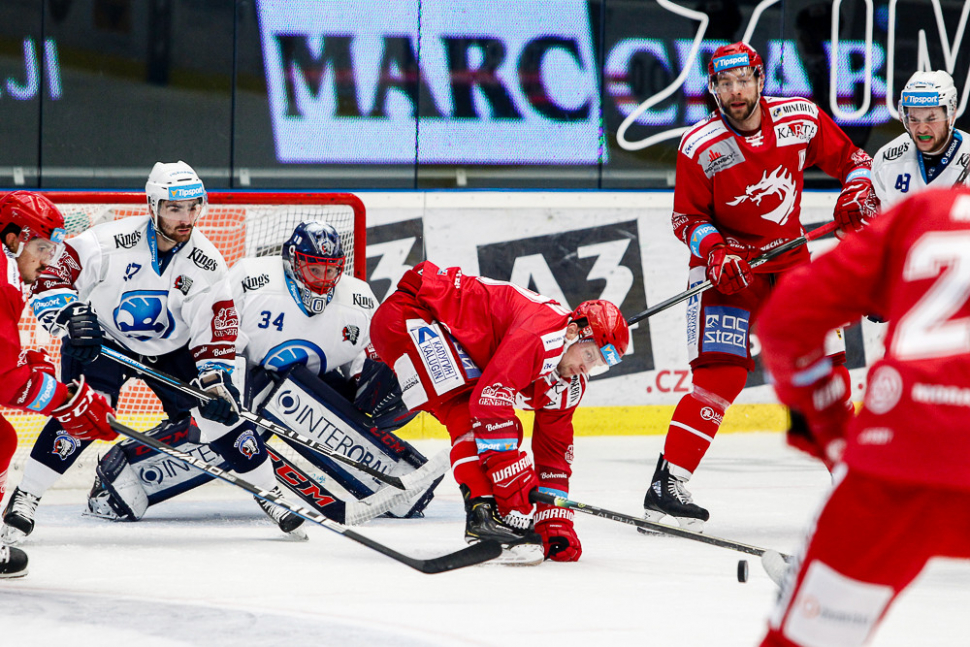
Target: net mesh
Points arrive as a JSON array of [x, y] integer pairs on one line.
[[238, 230]]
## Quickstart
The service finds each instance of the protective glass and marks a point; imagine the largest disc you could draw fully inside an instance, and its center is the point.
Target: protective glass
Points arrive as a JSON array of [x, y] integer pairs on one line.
[[593, 358], [46, 251], [181, 210]]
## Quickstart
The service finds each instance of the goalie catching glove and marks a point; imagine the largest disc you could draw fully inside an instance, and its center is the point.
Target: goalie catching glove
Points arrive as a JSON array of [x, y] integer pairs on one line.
[[727, 272], [856, 206], [85, 415], [224, 405]]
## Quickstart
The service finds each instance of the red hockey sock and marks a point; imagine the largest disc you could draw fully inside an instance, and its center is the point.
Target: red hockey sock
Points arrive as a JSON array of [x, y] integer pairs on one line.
[[699, 414], [465, 467], [8, 445]]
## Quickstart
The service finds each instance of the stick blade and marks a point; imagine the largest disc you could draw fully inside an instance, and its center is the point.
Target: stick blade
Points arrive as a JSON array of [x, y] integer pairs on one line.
[[469, 556]]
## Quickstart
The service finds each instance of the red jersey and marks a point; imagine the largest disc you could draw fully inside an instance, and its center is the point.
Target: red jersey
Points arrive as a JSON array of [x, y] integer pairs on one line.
[[749, 188], [913, 264], [516, 337], [21, 386]]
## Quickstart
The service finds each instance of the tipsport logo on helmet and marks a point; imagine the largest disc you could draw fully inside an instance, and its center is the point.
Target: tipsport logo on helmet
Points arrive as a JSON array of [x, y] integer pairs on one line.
[[920, 99], [722, 63], [487, 72], [186, 192], [610, 354]]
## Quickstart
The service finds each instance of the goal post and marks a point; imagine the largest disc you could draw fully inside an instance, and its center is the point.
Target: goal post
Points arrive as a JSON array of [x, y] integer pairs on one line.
[[239, 224]]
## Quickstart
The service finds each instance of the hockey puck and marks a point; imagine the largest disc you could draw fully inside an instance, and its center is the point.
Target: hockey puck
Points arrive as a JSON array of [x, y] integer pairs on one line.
[[742, 570]]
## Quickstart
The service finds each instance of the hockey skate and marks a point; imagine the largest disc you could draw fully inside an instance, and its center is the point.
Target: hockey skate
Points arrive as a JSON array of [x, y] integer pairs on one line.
[[668, 496], [483, 522], [288, 522], [13, 562], [18, 517]]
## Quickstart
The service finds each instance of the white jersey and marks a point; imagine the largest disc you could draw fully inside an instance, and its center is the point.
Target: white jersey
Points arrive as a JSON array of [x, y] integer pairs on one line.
[[897, 168], [276, 331], [145, 304]]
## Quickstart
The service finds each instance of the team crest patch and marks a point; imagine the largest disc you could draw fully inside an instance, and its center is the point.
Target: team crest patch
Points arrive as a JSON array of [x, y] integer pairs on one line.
[[65, 445], [183, 284], [247, 445], [351, 333]]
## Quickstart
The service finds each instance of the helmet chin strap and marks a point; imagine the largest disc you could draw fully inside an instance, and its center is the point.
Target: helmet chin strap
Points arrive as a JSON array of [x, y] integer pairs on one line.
[[158, 230]]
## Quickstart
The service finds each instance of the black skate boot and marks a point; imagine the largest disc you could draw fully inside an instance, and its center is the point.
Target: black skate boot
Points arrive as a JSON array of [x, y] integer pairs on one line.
[[13, 562], [667, 496], [483, 522], [286, 520], [18, 517]]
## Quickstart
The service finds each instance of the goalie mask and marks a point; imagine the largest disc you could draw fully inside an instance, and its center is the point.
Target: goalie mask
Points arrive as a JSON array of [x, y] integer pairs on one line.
[[174, 182], [601, 323], [39, 223], [313, 259], [929, 90]]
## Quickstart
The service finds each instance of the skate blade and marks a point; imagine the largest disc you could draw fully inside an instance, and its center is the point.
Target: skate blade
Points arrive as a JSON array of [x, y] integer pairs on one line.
[[12, 536], [11, 576], [297, 534], [521, 555], [654, 516]]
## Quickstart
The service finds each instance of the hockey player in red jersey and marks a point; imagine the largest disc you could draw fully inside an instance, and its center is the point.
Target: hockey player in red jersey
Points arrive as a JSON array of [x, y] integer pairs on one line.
[[740, 174], [468, 349], [32, 232], [902, 466]]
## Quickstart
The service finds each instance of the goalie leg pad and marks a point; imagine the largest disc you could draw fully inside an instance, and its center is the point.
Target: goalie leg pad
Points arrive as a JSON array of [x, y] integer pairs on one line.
[[242, 449], [117, 492]]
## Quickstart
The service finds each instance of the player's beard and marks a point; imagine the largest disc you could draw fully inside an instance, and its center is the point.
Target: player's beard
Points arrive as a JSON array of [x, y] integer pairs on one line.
[[742, 113], [177, 233]]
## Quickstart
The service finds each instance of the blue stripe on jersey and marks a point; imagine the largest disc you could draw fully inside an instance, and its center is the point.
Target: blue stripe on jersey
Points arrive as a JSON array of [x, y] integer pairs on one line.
[[858, 173], [554, 492], [48, 387], [496, 444], [699, 234]]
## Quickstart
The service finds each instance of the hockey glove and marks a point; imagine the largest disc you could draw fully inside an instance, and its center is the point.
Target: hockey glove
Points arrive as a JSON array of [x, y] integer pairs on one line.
[[83, 331], [512, 477], [856, 206], [727, 272], [559, 540], [820, 414], [37, 360], [224, 407], [85, 415]]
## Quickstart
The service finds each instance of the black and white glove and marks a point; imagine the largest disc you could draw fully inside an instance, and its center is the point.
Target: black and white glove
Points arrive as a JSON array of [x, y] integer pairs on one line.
[[83, 332], [224, 407]]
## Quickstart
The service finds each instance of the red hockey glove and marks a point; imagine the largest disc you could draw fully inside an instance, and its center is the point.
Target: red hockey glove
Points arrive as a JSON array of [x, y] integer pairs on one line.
[[555, 526], [85, 415], [729, 273], [857, 204], [820, 414], [512, 477], [37, 360]]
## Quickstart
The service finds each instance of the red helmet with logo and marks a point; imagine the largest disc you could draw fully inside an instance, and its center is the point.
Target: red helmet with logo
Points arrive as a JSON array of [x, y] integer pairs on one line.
[[602, 322], [729, 57], [34, 214]]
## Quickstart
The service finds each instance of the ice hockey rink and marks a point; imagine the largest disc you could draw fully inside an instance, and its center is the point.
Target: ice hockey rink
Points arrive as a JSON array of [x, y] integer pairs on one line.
[[209, 569]]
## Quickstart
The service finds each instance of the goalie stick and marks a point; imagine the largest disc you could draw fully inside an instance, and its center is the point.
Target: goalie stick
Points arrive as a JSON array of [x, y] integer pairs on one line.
[[468, 556], [560, 502], [400, 482], [827, 228]]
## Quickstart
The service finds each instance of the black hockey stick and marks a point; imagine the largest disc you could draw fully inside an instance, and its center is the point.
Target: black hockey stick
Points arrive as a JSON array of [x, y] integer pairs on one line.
[[401, 483], [540, 497], [761, 260], [963, 175], [468, 556]]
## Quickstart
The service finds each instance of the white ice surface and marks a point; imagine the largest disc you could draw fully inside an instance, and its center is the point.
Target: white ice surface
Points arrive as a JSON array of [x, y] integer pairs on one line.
[[209, 569]]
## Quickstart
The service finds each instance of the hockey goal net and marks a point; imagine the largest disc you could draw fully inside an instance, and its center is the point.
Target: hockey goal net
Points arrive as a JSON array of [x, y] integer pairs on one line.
[[240, 225]]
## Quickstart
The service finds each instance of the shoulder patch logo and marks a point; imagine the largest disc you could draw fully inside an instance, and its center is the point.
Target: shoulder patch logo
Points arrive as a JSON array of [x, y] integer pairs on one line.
[[183, 284], [351, 333]]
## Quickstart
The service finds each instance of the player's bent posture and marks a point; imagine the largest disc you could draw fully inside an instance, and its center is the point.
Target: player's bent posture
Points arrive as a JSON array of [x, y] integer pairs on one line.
[[153, 288], [32, 233], [931, 152], [468, 349], [738, 194], [902, 478], [297, 309]]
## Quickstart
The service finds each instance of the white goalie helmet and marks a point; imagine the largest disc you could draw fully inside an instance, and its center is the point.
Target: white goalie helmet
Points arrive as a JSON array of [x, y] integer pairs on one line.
[[173, 181], [928, 90]]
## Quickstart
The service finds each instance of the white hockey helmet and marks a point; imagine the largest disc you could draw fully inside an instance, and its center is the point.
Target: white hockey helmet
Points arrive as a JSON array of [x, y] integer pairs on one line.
[[928, 90], [173, 181]]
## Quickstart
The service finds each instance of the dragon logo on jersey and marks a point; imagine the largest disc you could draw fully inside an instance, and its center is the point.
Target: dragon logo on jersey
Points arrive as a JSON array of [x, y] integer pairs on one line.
[[144, 315], [780, 183], [295, 351]]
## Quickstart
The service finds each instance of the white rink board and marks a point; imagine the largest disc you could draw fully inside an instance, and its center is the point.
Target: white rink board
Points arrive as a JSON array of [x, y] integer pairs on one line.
[[456, 225]]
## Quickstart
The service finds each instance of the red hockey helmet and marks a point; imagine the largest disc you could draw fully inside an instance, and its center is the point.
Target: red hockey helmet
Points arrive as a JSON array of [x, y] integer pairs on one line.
[[602, 322], [729, 57], [36, 217]]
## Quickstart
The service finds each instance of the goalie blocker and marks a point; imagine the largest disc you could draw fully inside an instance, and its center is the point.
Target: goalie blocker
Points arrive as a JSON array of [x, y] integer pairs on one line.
[[130, 478]]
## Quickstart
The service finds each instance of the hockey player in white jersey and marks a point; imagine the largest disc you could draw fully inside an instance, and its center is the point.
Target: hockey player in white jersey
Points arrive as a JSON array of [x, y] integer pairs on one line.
[[156, 289], [931, 151], [298, 310]]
